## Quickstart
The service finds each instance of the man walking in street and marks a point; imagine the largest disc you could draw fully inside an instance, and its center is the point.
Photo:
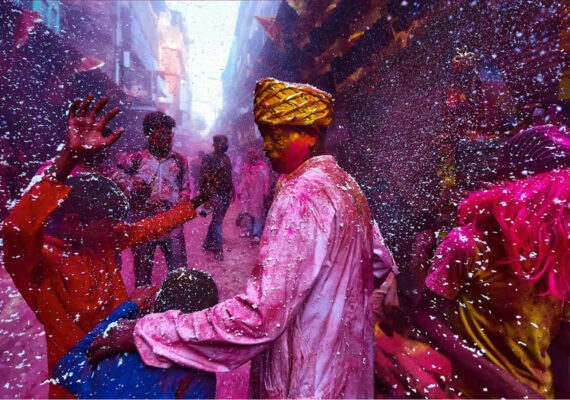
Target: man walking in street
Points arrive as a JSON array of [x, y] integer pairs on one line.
[[216, 173], [253, 190]]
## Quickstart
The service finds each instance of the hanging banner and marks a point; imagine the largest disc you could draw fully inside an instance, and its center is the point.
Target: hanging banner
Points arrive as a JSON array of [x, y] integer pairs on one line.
[[273, 30]]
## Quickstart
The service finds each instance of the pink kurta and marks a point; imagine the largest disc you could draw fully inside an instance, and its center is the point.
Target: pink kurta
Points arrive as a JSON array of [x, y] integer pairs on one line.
[[254, 188], [306, 316]]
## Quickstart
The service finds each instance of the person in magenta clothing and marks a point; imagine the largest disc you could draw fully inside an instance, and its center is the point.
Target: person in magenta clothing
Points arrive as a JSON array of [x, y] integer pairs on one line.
[[499, 285], [305, 319], [253, 190]]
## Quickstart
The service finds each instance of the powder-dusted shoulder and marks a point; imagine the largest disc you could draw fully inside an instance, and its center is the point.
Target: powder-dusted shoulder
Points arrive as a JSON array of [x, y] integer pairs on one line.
[[316, 175]]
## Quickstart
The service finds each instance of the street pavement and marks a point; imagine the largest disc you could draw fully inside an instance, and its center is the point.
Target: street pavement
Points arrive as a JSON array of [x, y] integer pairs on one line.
[[23, 366]]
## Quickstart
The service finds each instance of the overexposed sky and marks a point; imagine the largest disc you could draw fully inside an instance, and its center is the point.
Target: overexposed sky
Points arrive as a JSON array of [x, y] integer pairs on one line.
[[211, 26]]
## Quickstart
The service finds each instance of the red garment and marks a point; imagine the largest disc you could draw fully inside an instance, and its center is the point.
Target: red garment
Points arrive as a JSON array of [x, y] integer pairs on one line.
[[69, 289]]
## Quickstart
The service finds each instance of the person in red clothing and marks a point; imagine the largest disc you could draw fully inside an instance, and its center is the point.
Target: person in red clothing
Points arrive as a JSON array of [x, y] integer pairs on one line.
[[72, 281]]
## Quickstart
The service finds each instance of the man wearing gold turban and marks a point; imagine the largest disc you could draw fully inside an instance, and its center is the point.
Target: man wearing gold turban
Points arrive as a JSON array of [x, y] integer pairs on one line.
[[305, 319]]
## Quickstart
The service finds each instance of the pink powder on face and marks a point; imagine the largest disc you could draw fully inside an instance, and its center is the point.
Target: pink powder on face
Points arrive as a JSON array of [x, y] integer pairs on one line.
[[295, 155]]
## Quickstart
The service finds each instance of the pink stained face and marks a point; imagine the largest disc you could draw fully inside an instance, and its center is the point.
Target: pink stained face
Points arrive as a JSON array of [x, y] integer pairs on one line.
[[161, 137], [286, 147]]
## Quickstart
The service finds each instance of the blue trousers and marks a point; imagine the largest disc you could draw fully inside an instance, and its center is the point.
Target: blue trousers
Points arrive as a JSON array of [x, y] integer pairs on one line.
[[254, 226], [220, 205]]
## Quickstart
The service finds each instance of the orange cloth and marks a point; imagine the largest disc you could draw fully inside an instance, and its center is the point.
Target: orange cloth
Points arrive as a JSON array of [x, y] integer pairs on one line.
[[506, 317], [69, 289]]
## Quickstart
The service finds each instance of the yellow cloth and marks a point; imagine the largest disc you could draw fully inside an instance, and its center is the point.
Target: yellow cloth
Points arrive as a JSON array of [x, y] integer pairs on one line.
[[505, 316], [284, 103]]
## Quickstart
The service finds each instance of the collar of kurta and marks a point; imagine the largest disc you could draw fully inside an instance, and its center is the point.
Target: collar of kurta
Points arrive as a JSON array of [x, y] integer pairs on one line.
[[310, 163]]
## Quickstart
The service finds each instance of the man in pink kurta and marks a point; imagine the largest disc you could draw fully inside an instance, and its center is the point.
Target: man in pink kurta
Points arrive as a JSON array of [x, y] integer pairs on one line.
[[253, 190], [305, 319]]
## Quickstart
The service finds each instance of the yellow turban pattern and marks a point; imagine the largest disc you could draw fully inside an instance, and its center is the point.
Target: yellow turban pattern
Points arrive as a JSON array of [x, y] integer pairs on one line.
[[284, 103]]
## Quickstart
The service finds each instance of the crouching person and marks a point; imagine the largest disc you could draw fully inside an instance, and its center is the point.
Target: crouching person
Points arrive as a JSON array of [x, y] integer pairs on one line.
[[124, 375]]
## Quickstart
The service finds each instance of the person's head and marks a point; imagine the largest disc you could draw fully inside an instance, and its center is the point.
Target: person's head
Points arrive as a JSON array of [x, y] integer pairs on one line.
[[292, 119], [529, 208], [158, 129], [94, 205], [532, 151], [252, 155], [220, 144], [288, 147], [186, 290]]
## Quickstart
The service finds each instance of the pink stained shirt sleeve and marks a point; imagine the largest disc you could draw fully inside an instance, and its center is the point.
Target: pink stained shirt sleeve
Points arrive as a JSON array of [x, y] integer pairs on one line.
[[291, 256], [454, 261], [383, 262]]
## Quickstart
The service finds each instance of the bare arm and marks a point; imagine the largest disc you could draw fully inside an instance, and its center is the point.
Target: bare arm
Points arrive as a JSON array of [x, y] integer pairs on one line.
[[430, 316]]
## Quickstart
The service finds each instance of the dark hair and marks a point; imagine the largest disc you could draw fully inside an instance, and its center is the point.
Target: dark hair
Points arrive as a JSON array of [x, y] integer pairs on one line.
[[94, 197], [157, 119], [217, 138], [187, 290]]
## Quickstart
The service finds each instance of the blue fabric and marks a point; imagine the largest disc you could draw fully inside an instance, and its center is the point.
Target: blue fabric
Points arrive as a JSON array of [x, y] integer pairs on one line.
[[220, 205], [125, 375]]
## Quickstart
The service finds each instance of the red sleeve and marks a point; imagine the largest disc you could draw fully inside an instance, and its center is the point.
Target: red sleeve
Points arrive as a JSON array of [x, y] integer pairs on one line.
[[23, 231], [125, 235], [453, 263]]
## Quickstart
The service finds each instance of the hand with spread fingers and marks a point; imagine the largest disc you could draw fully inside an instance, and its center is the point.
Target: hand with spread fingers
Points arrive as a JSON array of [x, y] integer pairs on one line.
[[84, 135], [85, 129]]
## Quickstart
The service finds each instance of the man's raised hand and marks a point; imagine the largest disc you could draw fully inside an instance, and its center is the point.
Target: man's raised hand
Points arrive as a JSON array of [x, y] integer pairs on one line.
[[85, 128]]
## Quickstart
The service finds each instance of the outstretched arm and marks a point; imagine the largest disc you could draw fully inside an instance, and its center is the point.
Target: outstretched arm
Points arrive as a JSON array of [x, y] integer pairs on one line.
[[231, 333], [430, 317], [125, 235]]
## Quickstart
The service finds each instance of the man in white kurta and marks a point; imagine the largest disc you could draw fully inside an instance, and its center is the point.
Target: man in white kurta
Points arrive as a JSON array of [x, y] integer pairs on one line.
[[305, 319], [306, 316]]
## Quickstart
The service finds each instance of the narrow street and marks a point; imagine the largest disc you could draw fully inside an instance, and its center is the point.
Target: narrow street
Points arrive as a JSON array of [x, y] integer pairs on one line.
[[22, 353]]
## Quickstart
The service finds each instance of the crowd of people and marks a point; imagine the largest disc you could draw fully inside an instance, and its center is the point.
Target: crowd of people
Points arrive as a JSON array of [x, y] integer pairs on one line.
[[321, 314]]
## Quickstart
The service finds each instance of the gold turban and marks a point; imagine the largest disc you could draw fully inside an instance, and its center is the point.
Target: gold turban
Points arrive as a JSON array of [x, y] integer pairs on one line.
[[284, 103]]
